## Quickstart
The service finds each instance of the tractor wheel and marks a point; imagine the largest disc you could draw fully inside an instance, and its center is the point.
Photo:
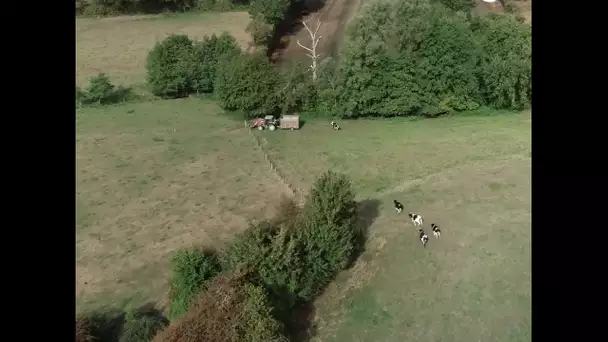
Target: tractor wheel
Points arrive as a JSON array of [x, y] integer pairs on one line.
[[260, 128], [272, 127]]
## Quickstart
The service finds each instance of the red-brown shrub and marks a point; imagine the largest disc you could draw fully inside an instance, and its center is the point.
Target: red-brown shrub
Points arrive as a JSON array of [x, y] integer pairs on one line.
[[230, 310]]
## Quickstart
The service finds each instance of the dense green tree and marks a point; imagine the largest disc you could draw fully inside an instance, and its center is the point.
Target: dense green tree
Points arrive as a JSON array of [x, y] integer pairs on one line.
[[408, 57], [248, 83], [505, 73]]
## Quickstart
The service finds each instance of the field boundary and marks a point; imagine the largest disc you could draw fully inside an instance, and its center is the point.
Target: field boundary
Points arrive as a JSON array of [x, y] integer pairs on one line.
[[295, 191]]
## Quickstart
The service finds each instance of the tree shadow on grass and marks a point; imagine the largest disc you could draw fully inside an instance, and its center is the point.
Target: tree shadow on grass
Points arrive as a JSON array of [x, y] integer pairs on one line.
[[302, 327]]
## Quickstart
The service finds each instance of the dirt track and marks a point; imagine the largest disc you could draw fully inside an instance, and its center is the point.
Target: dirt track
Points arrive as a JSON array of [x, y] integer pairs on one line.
[[334, 16]]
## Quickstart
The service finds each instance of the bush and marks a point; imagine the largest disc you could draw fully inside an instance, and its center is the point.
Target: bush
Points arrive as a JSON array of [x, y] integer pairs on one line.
[[248, 83], [142, 325], [115, 7], [272, 255], [505, 73], [178, 66], [273, 11], [407, 58], [297, 90], [327, 239], [207, 55], [298, 253], [172, 67], [102, 91], [458, 5], [191, 269], [231, 309], [261, 32]]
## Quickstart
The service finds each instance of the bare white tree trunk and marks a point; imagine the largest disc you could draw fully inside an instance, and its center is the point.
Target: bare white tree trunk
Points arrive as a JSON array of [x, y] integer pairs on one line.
[[314, 56]]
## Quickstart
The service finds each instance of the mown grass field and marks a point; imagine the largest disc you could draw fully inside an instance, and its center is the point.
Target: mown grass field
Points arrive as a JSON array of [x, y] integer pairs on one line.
[[119, 46], [154, 177]]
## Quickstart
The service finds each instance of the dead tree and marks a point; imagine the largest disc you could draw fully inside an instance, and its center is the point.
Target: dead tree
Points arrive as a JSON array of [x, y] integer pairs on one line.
[[313, 49]]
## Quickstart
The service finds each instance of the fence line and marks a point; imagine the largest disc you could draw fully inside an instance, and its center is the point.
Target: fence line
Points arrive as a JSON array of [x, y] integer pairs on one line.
[[295, 191]]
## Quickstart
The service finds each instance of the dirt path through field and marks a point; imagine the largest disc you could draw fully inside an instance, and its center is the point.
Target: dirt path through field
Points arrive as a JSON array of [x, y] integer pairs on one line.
[[334, 16]]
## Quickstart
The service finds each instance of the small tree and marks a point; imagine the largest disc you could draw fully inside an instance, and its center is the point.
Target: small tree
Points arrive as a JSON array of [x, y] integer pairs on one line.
[[102, 91], [171, 67], [191, 270], [327, 239], [248, 83], [312, 50]]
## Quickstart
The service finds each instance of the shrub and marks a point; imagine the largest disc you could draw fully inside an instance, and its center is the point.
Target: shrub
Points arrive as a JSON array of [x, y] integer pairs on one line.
[[326, 240], [505, 72], [298, 253], [297, 89], [231, 309], [458, 5], [178, 66], [171, 67], [273, 11], [142, 325], [247, 83], [261, 32], [272, 255], [407, 58], [102, 91], [207, 54], [191, 269]]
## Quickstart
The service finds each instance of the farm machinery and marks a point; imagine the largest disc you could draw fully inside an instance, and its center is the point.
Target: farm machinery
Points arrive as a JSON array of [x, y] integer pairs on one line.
[[272, 123]]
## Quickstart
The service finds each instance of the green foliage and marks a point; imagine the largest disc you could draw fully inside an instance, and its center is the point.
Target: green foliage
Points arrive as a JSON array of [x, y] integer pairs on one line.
[[171, 67], [207, 54], [178, 66], [260, 31], [273, 11], [248, 83], [295, 256], [272, 254], [505, 72], [102, 91], [407, 58], [297, 89], [115, 7], [142, 325], [191, 270], [327, 239], [231, 309], [260, 325], [458, 5]]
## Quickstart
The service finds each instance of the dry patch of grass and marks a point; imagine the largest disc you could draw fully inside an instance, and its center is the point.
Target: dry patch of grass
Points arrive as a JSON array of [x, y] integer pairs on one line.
[[155, 177], [119, 46]]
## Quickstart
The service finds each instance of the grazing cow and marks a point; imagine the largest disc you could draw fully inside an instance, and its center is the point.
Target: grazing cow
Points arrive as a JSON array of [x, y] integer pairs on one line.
[[398, 206], [416, 219], [335, 126], [423, 237], [436, 230]]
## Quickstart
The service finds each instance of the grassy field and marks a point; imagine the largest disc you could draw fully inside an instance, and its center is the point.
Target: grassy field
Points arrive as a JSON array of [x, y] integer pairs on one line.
[[470, 175], [119, 46], [154, 177]]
